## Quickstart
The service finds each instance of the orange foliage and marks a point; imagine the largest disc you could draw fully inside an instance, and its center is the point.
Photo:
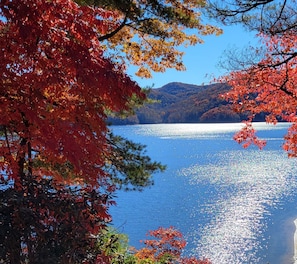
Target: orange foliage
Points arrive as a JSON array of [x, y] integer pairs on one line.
[[152, 32], [168, 241], [268, 87], [167, 247]]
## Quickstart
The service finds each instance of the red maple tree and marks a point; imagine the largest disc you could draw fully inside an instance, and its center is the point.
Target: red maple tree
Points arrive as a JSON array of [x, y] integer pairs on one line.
[[56, 86]]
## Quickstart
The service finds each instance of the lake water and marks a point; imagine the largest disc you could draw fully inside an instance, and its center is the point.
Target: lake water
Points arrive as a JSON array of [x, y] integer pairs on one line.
[[233, 205]]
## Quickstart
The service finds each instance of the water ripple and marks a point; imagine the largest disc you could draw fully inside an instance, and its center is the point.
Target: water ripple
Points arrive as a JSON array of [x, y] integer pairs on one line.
[[248, 184]]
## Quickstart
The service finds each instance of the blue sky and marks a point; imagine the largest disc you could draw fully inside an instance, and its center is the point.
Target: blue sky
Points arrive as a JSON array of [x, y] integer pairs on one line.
[[202, 60]]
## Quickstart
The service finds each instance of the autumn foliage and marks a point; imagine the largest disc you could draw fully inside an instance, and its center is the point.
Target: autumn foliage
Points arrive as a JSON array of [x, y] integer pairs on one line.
[[165, 246], [151, 33], [59, 163], [56, 85], [269, 87]]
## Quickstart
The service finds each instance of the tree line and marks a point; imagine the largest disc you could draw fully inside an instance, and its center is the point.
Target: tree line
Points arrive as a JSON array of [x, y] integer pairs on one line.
[[185, 103]]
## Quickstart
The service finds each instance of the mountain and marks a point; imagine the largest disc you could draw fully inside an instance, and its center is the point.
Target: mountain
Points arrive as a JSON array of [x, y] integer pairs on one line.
[[184, 103]]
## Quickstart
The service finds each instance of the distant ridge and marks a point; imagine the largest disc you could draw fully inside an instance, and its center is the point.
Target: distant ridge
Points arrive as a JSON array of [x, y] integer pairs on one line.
[[184, 103]]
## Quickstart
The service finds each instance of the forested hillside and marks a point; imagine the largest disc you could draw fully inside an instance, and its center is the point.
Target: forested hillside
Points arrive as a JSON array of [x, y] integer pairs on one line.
[[184, 103]]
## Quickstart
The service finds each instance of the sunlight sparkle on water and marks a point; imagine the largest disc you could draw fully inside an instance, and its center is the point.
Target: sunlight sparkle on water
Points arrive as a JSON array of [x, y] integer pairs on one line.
[[199, 130], [189, 130], [257, 183], [224, 198]]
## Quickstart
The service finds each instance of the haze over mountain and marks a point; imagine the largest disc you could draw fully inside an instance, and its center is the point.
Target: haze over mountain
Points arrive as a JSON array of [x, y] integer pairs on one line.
[[184, 103]]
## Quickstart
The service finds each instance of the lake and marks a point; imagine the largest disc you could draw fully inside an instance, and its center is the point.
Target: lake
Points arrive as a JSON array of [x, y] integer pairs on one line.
[[233, 205]]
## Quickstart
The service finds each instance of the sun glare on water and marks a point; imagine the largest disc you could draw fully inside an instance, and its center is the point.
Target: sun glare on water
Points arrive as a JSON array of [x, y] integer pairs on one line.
[[254, 185]]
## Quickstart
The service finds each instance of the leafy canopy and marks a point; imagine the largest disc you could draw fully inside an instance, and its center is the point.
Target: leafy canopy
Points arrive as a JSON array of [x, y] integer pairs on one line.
[[150, 33], [270, 87], [55, 87], [55, 147], [267, 84], [58, 80], [267, 16]]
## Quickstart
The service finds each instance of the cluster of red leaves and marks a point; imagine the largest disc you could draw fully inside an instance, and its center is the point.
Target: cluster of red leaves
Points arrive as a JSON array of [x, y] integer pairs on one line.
[[167, 246], [168, 241], [56, 85], [290, 144], [247, 136], [268, 87]]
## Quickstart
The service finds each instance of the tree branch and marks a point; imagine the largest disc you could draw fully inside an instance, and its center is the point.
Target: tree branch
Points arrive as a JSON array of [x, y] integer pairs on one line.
[[242, 8], [111, 34]]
